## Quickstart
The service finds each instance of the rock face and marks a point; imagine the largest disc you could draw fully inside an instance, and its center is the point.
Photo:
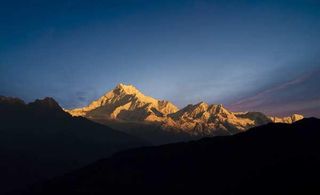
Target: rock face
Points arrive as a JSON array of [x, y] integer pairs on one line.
[[127, 104]]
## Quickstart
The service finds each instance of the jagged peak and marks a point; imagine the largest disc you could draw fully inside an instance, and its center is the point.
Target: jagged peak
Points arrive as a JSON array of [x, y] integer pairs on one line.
[[120, 96], [191, 108], [128, 89], [217, 108], [202, 104]]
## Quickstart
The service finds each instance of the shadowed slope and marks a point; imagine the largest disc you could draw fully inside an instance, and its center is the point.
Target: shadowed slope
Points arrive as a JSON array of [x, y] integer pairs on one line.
[[271, 159], [39, 140]]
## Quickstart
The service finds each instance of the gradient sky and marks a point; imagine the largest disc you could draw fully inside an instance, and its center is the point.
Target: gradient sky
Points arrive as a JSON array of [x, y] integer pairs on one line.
[[249, 55]]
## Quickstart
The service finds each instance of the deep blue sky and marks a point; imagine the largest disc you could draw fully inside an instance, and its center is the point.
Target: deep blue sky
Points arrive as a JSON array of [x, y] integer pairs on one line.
[[248, 55]]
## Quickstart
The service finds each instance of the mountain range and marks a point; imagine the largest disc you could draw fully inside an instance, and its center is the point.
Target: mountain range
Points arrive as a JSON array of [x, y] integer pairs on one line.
[[126, 104], [40, 140]]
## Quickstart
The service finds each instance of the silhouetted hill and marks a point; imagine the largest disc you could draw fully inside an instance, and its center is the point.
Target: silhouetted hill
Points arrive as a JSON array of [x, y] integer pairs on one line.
[[39, 140], [271, 159]]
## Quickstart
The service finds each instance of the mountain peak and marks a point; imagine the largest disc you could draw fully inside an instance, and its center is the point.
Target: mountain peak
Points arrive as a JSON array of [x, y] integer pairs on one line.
[[47, 107], [202, 104], [11, 100], [125, 102], [47, 102], [122, 85], [128, 89]]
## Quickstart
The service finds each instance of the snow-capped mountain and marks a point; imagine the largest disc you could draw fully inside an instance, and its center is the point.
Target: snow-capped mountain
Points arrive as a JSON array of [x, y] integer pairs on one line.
[[289, 119], [125, 103], [214, 119]]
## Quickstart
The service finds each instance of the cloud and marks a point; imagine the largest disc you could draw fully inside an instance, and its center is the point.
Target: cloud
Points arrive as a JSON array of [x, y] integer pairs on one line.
[[309, 108], [298, 94], [262, 94]]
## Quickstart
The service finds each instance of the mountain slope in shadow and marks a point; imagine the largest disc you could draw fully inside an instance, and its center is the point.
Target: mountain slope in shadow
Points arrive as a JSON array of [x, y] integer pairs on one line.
[[151, 132], [39, 140], [271, 159]]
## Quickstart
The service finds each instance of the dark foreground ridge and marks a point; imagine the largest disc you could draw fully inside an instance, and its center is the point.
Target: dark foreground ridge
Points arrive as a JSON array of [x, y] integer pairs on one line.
[[39, 140], [271, 159]]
